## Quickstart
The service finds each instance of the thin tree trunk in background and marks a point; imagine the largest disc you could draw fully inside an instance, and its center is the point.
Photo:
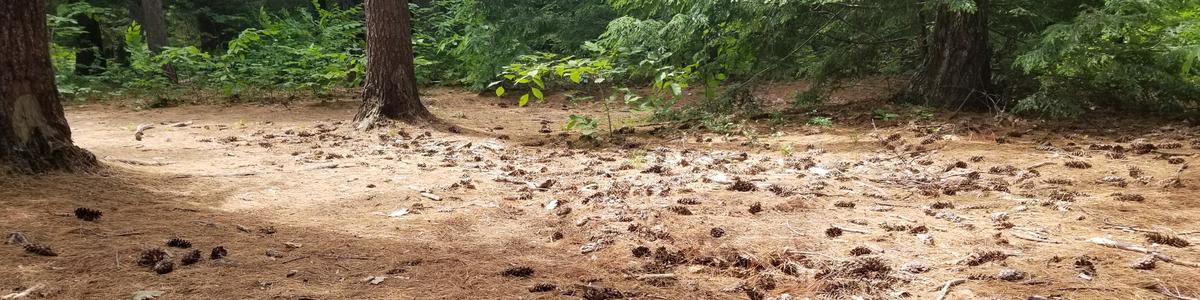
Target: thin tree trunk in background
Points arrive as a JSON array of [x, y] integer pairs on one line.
[[391, 84], [154, 24], [957, 71], [89, 58], [34, 135]]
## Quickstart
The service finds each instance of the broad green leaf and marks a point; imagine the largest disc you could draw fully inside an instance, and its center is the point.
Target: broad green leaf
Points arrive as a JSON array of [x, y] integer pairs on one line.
[[500, 92], [676, 89], [537, 93], [524, 100], [576, 76]]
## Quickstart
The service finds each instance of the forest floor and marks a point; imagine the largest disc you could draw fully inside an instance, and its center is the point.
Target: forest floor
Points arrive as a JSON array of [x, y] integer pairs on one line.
[[308, 208]]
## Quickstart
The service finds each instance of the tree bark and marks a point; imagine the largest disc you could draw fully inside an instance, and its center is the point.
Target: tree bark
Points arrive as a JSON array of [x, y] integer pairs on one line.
[[957, 70], [391, 84], [154, 24], [34, 135]]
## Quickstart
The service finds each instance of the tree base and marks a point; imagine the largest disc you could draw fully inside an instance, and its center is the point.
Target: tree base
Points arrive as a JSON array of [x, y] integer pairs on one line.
[[67, 158]]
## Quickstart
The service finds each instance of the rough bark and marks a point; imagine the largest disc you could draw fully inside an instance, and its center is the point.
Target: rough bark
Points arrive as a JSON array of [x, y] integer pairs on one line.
[[391, 84], [154, 24], [34, 135], [957, 70]]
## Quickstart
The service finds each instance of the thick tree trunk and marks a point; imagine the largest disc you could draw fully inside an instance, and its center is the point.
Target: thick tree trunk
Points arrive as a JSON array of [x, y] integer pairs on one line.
[[391, 86], [957, 71], [34, 135], [154, 24]]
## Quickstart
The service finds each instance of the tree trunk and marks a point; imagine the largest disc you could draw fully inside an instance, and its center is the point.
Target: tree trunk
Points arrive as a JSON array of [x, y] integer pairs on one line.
[[957, 71], [391, 86], [154, 24], [89, 58], [34, 135]]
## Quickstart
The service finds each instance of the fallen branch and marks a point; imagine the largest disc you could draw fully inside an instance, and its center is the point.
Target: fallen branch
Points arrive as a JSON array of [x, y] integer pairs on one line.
[[1107, 242], [1039, 165], [656, 276], [1166, 291], [137, 162], [1032, 238], [1128, 228], [946, 288], [294, 259], [338, 257], [852, 230], [141, 129], [241, 174], [24, 293]]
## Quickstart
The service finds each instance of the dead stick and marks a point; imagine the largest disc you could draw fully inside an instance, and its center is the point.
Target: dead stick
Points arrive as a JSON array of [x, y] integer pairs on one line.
[[655, 276], [853, 230], [294, 259], [1039, 165], [1031, 238], [1107, 242], [24, 293], [946, 288]]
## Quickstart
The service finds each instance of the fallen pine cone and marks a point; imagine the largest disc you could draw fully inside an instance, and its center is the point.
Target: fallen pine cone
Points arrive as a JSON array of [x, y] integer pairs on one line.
[[40, 249]]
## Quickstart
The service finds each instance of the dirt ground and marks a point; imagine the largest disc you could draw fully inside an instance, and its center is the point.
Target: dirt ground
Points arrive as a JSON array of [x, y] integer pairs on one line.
[[308, 208]]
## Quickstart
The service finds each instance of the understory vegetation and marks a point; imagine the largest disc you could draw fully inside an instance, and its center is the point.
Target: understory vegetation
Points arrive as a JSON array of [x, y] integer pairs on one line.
[[1055, 59]]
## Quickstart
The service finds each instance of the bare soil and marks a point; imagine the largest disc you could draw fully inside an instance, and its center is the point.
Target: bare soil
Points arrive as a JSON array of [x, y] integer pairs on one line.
[[494, 208]]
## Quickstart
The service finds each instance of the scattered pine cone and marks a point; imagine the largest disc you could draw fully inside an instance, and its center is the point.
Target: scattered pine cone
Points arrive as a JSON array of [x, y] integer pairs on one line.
[[1176, 160], [88, 214], [40, 249], [542, 288], [1129, 197], [1145, 263], [942, 205], [983, 257], [641, 251], [1136, 172], [844, 204], [833, 232], [742, 186], [956, 165], [518, 272], [1077, 164], [191, 258], [1167, 239], [164, 266], [1143, 148], [755, 208], [860, 251], [179, 243], [680, 210], [151, 257], [717, 232], [218, 253]]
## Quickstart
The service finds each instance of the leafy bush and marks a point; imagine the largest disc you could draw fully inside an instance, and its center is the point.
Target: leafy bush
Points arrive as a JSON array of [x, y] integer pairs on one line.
[[1126, 53]]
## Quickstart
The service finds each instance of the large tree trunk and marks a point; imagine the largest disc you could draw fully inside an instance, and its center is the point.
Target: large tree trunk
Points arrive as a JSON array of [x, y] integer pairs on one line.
[[391, 85], [154, 24], [957, 71], [34, 135]]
